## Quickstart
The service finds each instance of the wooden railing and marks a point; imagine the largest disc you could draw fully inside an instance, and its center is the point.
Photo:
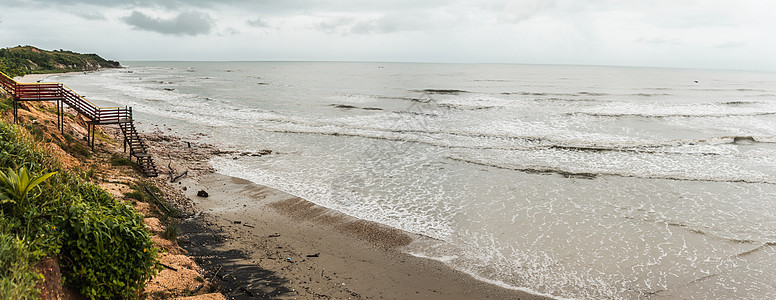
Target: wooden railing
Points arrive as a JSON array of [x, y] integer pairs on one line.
[[96, 115], [60, 92], [7, 83]]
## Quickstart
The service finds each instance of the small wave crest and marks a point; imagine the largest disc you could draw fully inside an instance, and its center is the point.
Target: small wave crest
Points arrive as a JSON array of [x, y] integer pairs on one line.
[[571, 174], [670, 115]]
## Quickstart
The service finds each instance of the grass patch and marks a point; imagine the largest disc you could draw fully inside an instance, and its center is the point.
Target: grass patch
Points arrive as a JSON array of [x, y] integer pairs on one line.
[[17, 278], [170, 231], [6, 104], [139, 196], [121, 160], [74, 147]]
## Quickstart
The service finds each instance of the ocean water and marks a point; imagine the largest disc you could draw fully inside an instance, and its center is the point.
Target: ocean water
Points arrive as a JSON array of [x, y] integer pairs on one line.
[[570, 181]]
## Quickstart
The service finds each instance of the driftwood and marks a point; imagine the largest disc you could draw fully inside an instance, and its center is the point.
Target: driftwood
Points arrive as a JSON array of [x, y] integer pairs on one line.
[[157, 199], [215, 275], [199, 287], [174, 179], [166, 266], [244, 289], [169, 165]]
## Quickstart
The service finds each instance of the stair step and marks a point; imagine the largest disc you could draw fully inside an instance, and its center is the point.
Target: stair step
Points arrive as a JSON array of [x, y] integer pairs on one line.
[[138, 149]]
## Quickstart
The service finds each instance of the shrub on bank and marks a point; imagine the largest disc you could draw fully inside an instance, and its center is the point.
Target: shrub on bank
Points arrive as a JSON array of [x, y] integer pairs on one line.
[[104, 248], [17, 281]]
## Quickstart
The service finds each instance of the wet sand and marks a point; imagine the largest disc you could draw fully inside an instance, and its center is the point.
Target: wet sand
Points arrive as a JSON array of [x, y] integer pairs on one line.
[[259, 242], [33, 78]]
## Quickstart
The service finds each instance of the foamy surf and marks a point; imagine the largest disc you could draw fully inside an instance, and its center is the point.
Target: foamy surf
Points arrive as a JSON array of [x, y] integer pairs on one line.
[[575, 182]]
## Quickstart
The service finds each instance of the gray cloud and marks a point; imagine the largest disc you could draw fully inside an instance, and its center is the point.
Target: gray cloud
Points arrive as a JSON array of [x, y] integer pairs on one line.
[[390, 23], [659, 41], [258, 22], [532, 31], [229, 31], [117, 3], [729, 45], [186, 23], [90, 15], [335, 25], [520, 11], [265, 6]]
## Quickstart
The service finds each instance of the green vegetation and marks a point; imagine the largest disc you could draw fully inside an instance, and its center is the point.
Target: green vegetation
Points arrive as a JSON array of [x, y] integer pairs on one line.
[[121, 160], [103, 246], [17, 281], [22, 60], [71, 145], [15, 185]]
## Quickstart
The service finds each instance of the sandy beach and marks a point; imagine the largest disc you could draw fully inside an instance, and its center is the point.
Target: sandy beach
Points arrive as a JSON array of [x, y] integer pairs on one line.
[[33, 78], [257, 241]]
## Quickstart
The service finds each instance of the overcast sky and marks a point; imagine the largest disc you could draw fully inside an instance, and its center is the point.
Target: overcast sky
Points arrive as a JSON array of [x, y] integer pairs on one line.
[[725, 34]]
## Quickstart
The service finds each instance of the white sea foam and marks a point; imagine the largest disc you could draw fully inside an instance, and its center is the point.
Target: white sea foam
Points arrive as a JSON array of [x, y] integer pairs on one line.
[[576, 182]]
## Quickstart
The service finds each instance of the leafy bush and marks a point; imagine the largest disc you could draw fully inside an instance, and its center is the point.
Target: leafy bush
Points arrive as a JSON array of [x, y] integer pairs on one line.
[[14, 186], [110, 250]]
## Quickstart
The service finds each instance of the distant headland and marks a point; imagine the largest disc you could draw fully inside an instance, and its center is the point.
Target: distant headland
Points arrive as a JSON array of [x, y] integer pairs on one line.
[[21, 60]]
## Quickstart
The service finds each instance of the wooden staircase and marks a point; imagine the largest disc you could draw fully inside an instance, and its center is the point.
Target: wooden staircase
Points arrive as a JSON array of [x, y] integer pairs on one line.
[[138, 149], [96, 115]]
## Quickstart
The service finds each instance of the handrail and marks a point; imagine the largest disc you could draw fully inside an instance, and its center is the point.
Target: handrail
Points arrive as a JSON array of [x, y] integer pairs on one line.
[[34, 83], [54, 91]]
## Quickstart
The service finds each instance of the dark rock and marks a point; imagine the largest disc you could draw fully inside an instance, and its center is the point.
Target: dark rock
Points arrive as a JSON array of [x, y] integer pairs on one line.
[[202, 193], [744, 140]]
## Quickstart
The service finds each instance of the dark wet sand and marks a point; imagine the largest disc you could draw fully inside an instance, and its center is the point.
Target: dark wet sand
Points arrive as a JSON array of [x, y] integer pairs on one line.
[[264, 243]]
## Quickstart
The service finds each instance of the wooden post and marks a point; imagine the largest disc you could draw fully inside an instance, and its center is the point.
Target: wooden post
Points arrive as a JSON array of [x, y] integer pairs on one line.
[[60, 121], [62, 115]]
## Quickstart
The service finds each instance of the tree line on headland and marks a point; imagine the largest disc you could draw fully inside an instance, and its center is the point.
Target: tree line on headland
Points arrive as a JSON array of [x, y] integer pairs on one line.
[[21, 60]]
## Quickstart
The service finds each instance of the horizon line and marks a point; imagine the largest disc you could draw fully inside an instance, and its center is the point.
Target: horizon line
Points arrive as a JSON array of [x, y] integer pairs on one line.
[[455, 63]]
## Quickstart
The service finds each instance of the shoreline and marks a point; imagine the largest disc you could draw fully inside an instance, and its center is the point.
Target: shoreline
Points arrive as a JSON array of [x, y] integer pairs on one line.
[[33, 78], [261, 242]]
